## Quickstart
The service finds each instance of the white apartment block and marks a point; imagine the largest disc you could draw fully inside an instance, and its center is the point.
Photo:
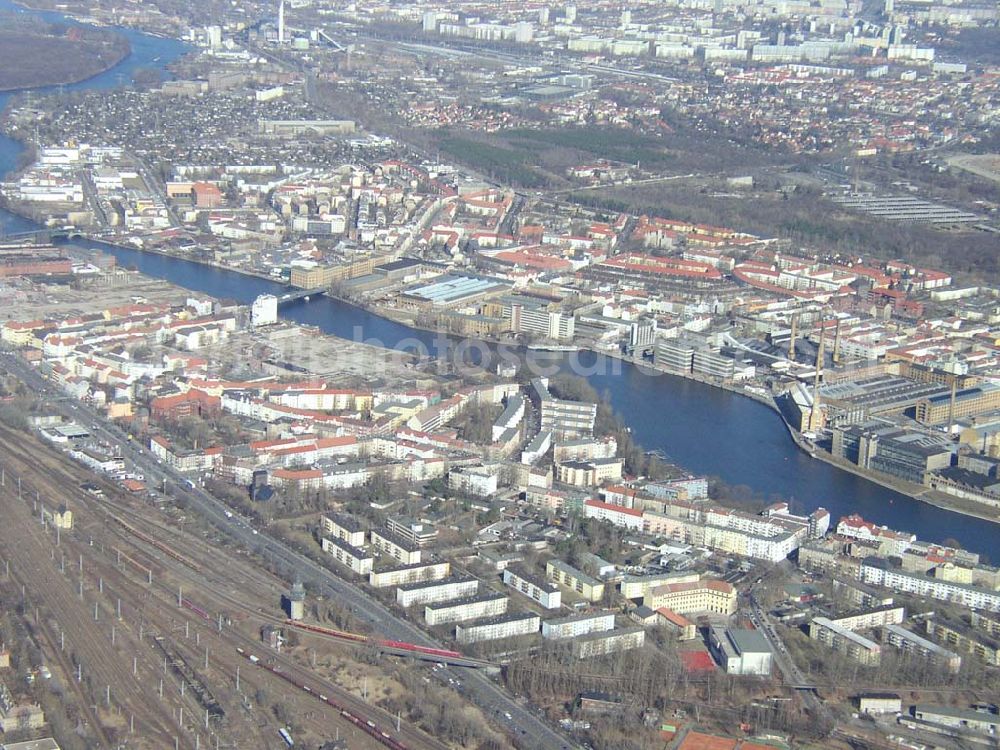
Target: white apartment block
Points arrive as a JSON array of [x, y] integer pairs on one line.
[[380, 579], [877, 572], [576, 625], [357, 560], [479, 481], [545, 593], [872, 618], [346, 528], [429, 592], [845, 641], [496, 628], [387, 543], [714, 596], [638, 587], [600, 644], [473, 608], [909, 642]]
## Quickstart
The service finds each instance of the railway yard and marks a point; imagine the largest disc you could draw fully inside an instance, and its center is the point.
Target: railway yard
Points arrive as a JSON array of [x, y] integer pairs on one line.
[[152, 629]]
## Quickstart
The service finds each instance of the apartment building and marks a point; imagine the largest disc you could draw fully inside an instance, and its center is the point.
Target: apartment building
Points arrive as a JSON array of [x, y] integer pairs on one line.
[[638, 587], [577, 625], [355, 559], [603, 643], [872, 618], [845, 641], [534, 587], [417, 533], [589, 473], [909, 642], [386, 543], [429, 592], [566, 575], [986, 624], [566, 420], [956, 633], [380, 579], [707, 595], [344, 527], [879, 572], [478, 481], [477, 607], [496, 628]]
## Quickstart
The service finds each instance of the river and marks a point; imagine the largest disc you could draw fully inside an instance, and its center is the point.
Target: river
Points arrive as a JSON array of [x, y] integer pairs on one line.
[[704, 429]]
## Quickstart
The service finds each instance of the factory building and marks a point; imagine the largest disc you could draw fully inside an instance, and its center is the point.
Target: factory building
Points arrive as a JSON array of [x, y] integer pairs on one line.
[[741, 652]]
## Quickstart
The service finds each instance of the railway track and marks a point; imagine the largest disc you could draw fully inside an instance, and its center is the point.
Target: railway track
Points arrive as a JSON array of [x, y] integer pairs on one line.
[[174, 557], [88, 640]]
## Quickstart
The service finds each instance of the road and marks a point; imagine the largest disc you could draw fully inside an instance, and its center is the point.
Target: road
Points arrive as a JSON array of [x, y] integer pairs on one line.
[[792, 674], [476, 687]]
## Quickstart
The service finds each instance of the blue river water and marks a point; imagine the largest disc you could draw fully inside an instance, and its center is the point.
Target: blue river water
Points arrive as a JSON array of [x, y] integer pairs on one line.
[[704, 429]]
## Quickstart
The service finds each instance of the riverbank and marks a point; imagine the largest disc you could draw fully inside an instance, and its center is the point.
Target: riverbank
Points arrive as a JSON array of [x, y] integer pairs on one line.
[[912, 491], [45, 61]]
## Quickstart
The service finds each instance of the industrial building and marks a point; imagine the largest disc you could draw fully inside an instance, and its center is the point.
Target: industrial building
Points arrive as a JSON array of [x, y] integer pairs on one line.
[[741, 652], [967, 720], [451, 291], [967, 402], [875, 704]]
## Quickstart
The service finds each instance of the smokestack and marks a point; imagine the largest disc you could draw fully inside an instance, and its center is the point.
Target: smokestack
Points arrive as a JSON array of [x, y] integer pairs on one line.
[[791, 342], [814, 412], [281, 22], [819, 356], [836, 344], [951, 403]]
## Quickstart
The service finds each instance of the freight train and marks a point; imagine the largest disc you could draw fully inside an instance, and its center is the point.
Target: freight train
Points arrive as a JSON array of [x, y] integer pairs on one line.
[[367, 726]]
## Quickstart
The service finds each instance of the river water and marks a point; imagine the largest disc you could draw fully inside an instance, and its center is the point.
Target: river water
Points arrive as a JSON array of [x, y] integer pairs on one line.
[[707, 430]]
